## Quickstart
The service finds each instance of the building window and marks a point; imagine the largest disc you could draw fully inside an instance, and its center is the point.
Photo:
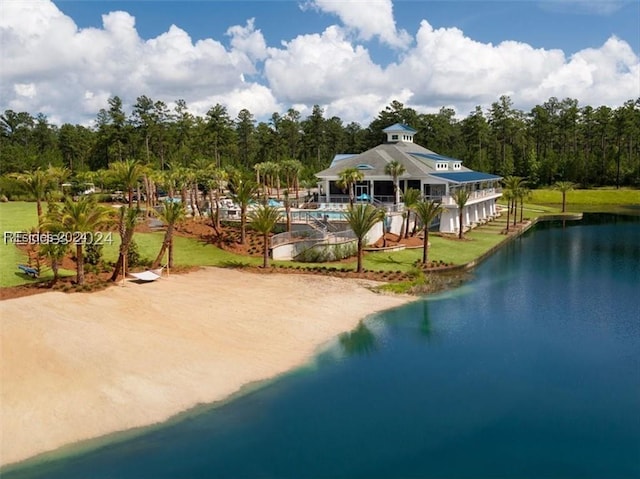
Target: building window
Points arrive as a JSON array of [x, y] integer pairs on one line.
[[394, 137]]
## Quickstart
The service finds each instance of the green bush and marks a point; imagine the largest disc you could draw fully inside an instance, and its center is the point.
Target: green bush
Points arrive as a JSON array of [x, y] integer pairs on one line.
[[324, 253], [93, 254], [133, 254]]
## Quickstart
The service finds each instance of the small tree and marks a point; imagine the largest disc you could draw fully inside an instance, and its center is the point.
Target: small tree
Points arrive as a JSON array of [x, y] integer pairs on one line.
[[514, 184], [263, 219], [564, 187], [506, 195], [83, 216], [411, 198], [361, 219], [37, 183], [172, 213], [395, 169], [128, 218], [347, 179], [244, 192], [461, 196], [54, 251], [427, 211], [127, 173]]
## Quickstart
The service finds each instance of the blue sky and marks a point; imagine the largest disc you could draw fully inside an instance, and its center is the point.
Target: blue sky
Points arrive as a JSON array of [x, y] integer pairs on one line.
[[352, 58], [564, 24]]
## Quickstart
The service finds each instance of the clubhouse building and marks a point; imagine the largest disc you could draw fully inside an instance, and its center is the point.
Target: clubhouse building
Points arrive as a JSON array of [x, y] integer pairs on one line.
[[437, 178]]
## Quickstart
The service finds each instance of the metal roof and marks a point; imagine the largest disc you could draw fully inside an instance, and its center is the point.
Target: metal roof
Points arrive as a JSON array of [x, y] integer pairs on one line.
[[466, 176], [399, 127], [435, 156], [341, 156]]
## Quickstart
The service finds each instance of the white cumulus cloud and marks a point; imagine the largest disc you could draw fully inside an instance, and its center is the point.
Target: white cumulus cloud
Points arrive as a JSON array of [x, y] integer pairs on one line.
[[49, 65], [373, 18]]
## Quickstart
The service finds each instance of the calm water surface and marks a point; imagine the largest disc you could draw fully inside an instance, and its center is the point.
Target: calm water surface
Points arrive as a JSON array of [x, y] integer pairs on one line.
[[532, 369]]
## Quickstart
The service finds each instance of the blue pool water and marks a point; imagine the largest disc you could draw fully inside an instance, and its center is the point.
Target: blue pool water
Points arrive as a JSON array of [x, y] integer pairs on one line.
[[531, 369]]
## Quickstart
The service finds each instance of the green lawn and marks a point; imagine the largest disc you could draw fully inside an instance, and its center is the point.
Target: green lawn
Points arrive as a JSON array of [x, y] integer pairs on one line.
[[592, 200], [21, 216], [14, 217]]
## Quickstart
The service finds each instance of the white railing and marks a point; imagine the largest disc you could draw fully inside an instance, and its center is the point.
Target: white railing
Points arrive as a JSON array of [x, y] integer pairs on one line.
[[475, 195], [295, 236], [317, 237]]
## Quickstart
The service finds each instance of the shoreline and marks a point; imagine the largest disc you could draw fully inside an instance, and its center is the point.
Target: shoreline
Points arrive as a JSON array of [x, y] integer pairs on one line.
[[91, 367]]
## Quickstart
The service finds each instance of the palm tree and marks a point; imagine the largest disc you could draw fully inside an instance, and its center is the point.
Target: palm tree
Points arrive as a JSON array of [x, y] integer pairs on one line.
[[361, 219], [564, 187], [38, 183], [172, 213], [263, 219], [513, 184], [83, 216], [54, 251], [216, 182], [395, 169], [127, 173], [427, 211], [461, 196], [507, 195], [244, 192], [128, 218], [523, 192], [410, 199], [347, 179], [291, 169]]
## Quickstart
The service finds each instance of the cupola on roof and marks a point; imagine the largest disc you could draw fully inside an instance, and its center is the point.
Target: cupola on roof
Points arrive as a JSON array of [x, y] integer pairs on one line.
[[399, 132]]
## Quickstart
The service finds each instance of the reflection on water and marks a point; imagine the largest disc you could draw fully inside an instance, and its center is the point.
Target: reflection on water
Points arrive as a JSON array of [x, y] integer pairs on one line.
[[359, 341]]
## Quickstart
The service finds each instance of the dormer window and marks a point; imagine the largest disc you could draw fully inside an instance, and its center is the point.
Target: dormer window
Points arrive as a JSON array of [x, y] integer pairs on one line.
[[456, 166], [364, 166]]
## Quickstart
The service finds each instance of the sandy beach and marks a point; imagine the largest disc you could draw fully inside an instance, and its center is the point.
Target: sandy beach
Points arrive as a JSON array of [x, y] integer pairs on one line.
[[79, 366]]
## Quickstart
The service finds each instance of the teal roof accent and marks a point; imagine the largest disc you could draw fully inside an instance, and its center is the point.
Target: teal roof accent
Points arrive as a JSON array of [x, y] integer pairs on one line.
[[340, 157], [399, 127], [466, 176], [364, 166]]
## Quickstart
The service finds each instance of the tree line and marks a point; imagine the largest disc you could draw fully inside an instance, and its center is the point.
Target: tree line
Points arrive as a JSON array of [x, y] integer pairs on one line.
[[555, 141]]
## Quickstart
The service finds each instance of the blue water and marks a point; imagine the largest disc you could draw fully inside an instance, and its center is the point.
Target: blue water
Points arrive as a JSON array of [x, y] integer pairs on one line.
[[531, 369]]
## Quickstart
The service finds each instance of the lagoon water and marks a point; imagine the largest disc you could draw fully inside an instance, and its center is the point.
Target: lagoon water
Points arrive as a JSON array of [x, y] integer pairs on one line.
[[531, 369]]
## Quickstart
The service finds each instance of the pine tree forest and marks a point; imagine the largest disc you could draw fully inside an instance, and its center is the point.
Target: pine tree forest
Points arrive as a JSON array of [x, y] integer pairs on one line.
[[556, 141]]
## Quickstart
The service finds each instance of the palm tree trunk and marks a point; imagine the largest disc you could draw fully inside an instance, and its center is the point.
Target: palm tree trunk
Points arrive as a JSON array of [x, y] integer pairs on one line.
[[265, 262], [425, 245], [166, 242], [243, 224], [360, 256], [406, 232], [79, 264]]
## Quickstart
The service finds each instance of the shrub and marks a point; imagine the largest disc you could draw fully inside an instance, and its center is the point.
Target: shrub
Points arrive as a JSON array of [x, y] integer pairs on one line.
[[93, 253], [133, 254]]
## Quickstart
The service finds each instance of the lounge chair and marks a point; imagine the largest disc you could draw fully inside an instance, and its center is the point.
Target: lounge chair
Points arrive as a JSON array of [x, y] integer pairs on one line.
[[149, 275], [29, 271]]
